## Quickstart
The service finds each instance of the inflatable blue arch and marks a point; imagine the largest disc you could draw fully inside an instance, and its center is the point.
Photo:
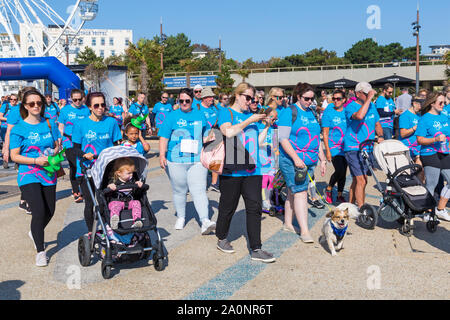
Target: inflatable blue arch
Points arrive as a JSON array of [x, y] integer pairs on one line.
[[48, 68]]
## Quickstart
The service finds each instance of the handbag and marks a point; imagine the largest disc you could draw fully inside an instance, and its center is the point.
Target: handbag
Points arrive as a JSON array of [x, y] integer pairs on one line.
[[61, 171], [212, 155]]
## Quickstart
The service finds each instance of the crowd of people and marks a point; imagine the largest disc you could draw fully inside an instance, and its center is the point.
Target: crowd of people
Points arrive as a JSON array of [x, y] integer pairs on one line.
[[276, 134]]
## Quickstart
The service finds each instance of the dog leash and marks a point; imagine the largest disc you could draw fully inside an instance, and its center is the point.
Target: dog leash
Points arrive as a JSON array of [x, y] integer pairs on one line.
[[320, 195]]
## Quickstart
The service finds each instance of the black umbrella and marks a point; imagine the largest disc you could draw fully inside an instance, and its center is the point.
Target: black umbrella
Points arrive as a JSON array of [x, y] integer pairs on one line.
[[395, 80], [340, 83]]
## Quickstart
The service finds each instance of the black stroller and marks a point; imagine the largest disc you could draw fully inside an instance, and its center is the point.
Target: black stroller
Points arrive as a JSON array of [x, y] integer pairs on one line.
[[404, 196], [100, 244]]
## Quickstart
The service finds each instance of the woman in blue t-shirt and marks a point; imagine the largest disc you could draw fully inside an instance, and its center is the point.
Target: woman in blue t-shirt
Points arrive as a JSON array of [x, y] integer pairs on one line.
[[433, 134], [334, 125], [242, 170], [300, 148], [32, 140], [408, 122], [91, 136], [180, 145], [117, 112]]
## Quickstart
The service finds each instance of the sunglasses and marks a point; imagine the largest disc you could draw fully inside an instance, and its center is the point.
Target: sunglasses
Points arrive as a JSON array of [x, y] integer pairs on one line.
[[308, 98], [165, 97], [337, 99], [13, 99], [441, 103], [223, 99], [98, 105], [279, 97], [76, 100], [187, 101], [33, 104], [247, 97], [198, 91]]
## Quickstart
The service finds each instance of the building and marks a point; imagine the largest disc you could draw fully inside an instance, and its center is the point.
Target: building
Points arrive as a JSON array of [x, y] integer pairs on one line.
[[437, 52]]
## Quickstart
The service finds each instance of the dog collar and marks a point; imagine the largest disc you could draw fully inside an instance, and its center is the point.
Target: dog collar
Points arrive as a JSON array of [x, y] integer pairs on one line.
[[339, 232]]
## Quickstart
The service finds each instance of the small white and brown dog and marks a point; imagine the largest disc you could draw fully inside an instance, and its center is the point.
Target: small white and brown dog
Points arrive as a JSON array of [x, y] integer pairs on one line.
[[335, 226]]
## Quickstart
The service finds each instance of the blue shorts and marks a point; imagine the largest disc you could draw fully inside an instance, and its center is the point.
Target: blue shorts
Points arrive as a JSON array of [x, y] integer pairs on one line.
[[357, 165], [287, 168]]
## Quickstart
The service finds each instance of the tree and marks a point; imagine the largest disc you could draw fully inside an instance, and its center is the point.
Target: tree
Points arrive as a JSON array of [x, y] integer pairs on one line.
[[244, 73], [189, 65], [447, 63], [224, 81], [95, 73], [87, 56], [364, 51], [176, 48], [116, 61]]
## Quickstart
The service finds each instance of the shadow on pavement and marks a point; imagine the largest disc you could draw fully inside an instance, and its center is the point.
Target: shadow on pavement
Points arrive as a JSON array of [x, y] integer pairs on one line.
[[69, 234], [438, 239], [8, 289]]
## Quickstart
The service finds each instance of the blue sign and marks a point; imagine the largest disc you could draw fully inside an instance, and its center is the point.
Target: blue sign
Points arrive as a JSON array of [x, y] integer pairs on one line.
[[180, 82]]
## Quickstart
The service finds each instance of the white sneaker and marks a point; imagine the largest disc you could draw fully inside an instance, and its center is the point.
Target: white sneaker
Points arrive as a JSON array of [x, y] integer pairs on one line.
[[442, 214], [41, 259], [179, 225], [208, 226], [31, 237], [426, 217]]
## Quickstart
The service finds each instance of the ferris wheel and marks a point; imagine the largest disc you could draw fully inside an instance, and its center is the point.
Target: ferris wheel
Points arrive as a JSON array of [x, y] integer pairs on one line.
[[42, 25]]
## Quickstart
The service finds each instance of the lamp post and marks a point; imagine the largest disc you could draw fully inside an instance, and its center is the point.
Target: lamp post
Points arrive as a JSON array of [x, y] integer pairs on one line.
[[416, 28]]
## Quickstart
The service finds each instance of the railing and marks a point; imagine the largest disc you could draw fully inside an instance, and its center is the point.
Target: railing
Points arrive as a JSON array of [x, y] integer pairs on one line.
[[314, 68]]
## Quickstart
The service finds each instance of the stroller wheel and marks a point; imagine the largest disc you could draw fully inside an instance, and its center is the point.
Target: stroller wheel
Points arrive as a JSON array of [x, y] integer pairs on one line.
[[106, 270], [405, 230], [272, 212], [432, 226], [369, 217], [84, 251], [158, 263]]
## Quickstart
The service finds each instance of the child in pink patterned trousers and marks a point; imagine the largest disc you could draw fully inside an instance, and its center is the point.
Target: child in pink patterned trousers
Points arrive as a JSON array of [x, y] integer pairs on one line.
[[123, 174]]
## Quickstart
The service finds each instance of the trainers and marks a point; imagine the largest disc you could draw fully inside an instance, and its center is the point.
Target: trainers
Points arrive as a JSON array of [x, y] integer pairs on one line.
[[214, 187], [41, 259], [23, 205], [179, 225], [442, 214], [225, 246], [208, 226], [137, 224], [307, 239], [263, 256], [329, 197], [317, 204], [114, 221], [77, 197]]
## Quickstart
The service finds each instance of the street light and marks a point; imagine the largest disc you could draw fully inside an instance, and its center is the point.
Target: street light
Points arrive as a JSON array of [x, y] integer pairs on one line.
[[416, 28]]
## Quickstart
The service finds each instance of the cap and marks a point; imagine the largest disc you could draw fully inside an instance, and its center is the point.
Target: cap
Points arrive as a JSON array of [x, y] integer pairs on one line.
[[207, 92], [364, 87], [198, 87]]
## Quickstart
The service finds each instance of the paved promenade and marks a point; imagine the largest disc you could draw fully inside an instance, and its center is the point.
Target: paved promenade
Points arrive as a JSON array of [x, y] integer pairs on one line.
[[374, 264]]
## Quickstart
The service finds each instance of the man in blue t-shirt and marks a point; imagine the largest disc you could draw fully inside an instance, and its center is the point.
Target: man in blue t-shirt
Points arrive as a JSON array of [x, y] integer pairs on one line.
[[362, 124], [387, 110], [197, 96], [139, 108], [160, 112]]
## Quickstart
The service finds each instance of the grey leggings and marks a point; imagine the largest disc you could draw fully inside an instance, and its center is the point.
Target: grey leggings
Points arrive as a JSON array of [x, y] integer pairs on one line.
[[432, 177]]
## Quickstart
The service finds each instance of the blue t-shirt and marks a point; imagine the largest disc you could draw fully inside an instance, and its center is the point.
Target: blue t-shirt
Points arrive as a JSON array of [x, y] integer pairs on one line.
[[430, 126], [337, 124], [138, 146], [304, 136], [196, 103], [14, 115], [51, 111], [407, 120], [117, 111], [266, 154], [137, 110], [5, 114], [179, 126], [211, 115], [95, 136], [248, 138], [446, 111], [34, 140], [387, 105], [68, 117], [161, 112], [359, 130]]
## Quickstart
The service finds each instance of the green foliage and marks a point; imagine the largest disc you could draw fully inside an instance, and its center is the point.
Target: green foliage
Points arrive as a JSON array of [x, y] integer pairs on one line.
[[116, 60], [176, 49], [447, 63], [364, 51], [87, 56], [224, 81]]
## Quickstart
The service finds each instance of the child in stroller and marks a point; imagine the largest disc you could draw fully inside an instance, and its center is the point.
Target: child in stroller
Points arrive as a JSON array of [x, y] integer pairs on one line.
[[124, 173]]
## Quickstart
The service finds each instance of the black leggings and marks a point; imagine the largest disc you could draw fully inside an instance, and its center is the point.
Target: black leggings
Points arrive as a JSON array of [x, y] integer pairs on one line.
[[42, 201], [72, 159], [231, 189], [340, 171], [88, 203]]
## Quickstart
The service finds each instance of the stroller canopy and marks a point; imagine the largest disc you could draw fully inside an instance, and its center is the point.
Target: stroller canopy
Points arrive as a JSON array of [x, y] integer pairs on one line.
[[113, 153], [391, 155]]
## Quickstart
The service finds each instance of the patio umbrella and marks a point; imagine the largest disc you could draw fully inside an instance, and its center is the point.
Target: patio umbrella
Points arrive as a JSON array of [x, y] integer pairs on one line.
[[340, 83], [395, 79]]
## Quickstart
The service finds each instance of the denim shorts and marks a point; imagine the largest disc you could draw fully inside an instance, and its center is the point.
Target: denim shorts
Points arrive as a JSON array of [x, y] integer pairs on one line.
[[287, 168], [357, 165]]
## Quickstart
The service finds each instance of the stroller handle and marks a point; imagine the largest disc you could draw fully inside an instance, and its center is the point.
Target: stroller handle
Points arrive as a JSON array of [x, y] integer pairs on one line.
[[133, 186], [84, 167], [414, 167], [367, 143]]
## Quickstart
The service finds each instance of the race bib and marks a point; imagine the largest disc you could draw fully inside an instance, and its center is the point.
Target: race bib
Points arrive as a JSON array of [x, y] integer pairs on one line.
[[189, 146]]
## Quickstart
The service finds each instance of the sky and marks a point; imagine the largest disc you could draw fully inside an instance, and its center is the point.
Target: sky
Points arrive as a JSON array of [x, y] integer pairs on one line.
[[264, 29]]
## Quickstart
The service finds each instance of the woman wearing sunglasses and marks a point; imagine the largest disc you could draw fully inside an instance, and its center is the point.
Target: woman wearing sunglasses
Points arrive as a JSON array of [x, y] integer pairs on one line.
[[91, 136], [433, 134], [300, 151], [277, 95], [180, 144], [334, 125], [32, 141], [6, 109], [244, 134], [69, 116]]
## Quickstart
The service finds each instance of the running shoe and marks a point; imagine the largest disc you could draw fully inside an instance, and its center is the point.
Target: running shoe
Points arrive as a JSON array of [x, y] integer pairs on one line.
[[41, 259], [317, 204], [23, 205], [214, 187], [179, 224], [329, 196], [442, 214], [208, 226], [225, 246], [77, 197], [261, 255], [114, 221]]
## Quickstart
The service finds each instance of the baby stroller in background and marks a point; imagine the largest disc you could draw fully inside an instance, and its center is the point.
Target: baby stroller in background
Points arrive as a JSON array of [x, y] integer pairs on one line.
[[278, 196], [100, 244], [405, 196]]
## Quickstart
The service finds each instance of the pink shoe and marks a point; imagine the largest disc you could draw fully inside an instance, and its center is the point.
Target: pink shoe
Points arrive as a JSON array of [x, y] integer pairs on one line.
[[329, 196]]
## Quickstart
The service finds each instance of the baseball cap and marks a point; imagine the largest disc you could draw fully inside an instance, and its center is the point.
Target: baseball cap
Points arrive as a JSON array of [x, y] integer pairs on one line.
[[364, 87], [198, 87]]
